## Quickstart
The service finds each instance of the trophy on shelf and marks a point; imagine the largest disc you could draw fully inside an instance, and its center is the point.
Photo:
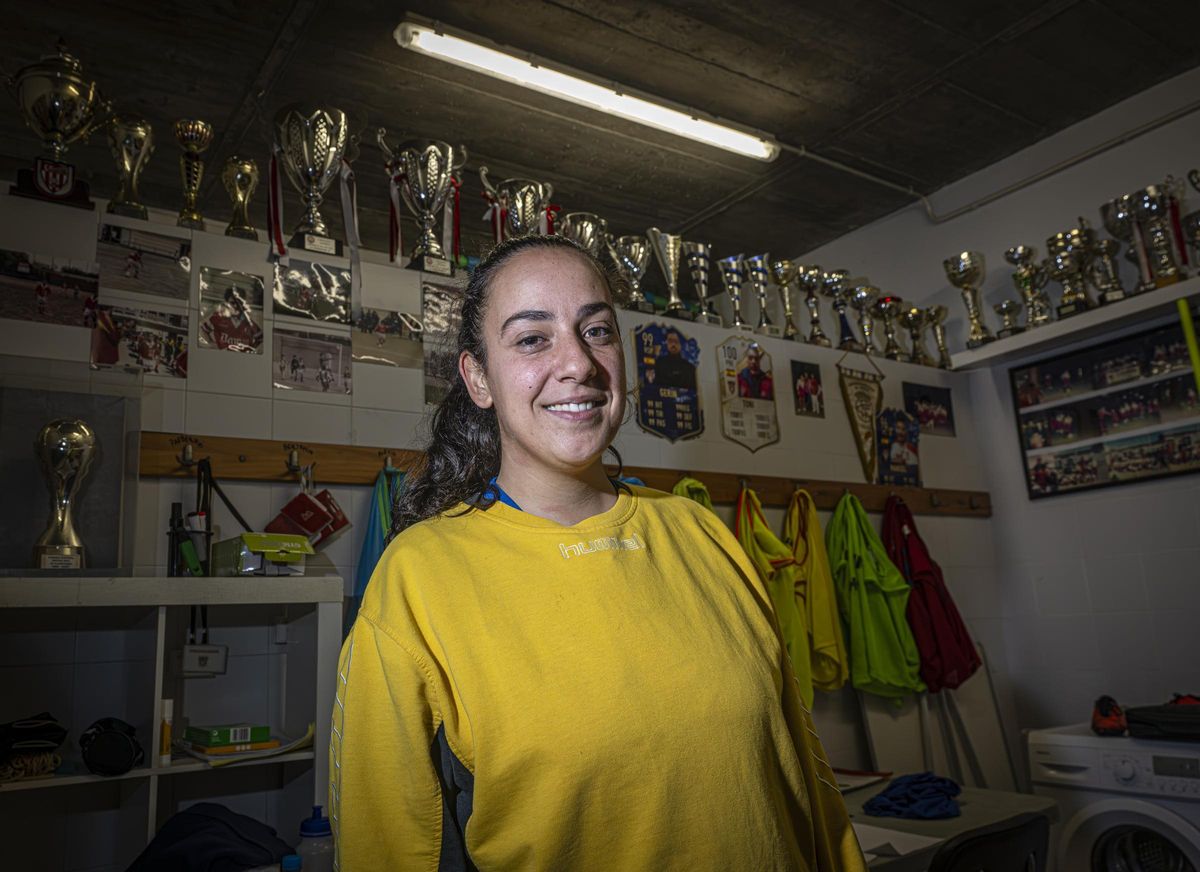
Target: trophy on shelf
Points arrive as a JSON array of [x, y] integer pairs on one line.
[[810, 278], [194, 137], [1009, 311], [1105, 274], [60, 106], [1152, 207], [759, 275], [667, 247], [733, 276], [965, 271], [586, 230], [889, 308], [632, 255], [915, 320], [132, 142], [521, 203], [66, 448], [1120, 221], [423, 170], [698, 256], [1068, 253], [240, 178], [863, 298], [783, 273], [936, 318], [1030, 280], [311, 141], [833, 286]]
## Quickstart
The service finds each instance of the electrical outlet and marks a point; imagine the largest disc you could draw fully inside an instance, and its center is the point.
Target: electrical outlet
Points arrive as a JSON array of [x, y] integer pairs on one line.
[[205, 659]]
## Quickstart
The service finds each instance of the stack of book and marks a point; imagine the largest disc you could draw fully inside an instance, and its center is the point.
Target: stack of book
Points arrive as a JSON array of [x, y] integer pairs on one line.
[[225, 739]]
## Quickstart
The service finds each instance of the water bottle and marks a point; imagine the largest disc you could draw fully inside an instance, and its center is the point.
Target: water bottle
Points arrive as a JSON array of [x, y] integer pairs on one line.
[[316, 843]]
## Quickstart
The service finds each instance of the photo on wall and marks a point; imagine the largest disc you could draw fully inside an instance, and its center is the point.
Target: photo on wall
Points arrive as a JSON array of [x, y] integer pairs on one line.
[[899, 453], [311, 361], [47, 289], [387, 338], [145, 262], [807, 390], [308, 289], [933, 407], [140, 340], [441, 315], [668, 395], [231, 311]]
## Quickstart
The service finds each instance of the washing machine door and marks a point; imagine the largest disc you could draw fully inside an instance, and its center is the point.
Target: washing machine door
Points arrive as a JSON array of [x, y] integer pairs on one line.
[[1129, 835]]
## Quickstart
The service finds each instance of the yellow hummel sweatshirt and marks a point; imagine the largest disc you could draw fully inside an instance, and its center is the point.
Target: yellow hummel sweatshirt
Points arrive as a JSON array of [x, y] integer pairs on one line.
[[613, 696]]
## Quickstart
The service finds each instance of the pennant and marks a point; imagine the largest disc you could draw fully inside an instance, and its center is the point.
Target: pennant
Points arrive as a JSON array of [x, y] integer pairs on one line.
[[862, 392]]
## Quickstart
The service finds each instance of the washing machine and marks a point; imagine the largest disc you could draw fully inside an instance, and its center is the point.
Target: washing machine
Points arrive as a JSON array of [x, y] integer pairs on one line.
[[1125, 805]]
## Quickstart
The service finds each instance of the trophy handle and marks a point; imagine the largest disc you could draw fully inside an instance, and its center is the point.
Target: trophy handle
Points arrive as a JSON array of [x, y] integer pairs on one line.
[[487, 186], [549, 191], [389, 157], [462, 163], [101, 120], [1194, 178]]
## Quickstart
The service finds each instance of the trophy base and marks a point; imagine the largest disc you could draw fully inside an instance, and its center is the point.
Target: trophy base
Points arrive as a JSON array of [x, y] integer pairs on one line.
[[1163, 281], [710, 318], [193, 221], [643, 306], [979, 341], [820, 341], [1066, 310], [428, 263], [315, 243], [769, 330], [53, 182], [58, 557], [129, 210], [242, 233], [681, 313], [851, 345], [898, 356], [1006, 332], [1109, 297]]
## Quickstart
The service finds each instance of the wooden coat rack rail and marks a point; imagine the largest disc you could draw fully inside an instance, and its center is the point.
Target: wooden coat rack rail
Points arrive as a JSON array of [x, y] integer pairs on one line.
[[174, 455]]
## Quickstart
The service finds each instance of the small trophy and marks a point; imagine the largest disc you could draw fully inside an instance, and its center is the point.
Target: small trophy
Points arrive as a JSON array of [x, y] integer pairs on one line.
[[522, 204], [132, 143], [66, 448], [759, 274], [699, 256], [1008, 310], [667, 247], [311, 141], [889, 309], [833, 285], [632, 256], [1152, 206], [586, 230], [1030, 279], [964, 271], [810, 278], [783, 273], [1119, 220], [936, 318], [194, 137], [240, 177], [863, 298], [424, 170], [733, 276], [1064, 269], [915, 320]]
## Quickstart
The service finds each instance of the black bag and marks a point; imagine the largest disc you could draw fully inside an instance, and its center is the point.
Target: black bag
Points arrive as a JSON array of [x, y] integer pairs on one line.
[[210, 838], [1178, 722]]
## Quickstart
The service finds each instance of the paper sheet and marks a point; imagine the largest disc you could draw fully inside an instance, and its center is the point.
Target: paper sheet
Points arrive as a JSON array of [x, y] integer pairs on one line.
[[883, 842]]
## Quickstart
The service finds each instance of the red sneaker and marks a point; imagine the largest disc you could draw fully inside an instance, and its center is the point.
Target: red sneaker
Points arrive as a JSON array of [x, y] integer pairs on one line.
[[1185, 699], [1107, 718]]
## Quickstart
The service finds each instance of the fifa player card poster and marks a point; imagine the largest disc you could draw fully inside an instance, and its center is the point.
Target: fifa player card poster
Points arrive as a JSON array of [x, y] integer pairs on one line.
[[748, 414], [899, 458], [231, 311], [387, 338], [317, 291], [668, 393], [139, 340], [158, 264], [312, 361], [806, 389], [52, 290], [441, 316]]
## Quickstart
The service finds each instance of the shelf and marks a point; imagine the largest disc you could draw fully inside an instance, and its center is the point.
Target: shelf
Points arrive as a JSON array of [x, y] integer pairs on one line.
[[182, 767], [66, 592], [1070, 399], [1119, 436], [1056, 334]]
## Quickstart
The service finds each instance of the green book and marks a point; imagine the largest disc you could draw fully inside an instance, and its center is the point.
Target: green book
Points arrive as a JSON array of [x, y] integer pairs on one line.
[[227, 734]]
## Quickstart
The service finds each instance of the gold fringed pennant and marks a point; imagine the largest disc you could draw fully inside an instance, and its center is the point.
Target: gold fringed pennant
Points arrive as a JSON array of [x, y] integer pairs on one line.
[[862, 392]]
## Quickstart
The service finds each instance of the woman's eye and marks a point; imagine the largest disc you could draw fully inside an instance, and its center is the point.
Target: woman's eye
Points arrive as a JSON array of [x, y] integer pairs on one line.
[[529, 341], [598, 331]]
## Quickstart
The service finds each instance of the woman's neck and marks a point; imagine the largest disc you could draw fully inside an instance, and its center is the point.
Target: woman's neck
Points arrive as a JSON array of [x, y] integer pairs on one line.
[[560, 497]]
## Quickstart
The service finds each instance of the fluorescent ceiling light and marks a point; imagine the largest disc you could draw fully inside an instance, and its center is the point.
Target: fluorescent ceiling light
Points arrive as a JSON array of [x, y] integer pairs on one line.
[[574, 87]]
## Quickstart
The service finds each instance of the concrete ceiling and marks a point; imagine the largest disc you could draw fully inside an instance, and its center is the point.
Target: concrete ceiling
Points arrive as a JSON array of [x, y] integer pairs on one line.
[[919, 92]]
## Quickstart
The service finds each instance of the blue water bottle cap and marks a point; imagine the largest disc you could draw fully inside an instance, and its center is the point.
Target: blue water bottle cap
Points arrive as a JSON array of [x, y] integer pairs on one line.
[[316, 826], [290, 863]]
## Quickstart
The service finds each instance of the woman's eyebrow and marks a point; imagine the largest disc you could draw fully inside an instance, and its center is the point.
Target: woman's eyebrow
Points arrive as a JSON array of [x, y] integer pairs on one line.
[[527, 315], [593, 308]]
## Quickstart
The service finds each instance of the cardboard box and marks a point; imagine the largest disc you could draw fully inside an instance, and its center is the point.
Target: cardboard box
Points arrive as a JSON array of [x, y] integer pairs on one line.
[[261, 554]]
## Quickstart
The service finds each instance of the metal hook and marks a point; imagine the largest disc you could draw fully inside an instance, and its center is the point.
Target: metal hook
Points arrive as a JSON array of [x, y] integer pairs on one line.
[[185, 457], [293, 462], [935, 500], [973, 502]]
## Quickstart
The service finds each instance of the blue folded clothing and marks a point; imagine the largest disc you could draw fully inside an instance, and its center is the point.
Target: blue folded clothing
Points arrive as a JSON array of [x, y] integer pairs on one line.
[[923, 796]]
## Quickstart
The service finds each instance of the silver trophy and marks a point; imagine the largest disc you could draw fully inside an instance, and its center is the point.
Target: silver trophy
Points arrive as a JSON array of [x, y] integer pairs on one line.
[[66, 448], [834, 286], [810, 278], [889, 309], [132, 142], [1152, 207], [783, 273], [1068, 260], [1191, 232], [1105, 274], [667, 247], [759, 274], [425, 169], [915, 320], [586, 230], [733, 276], [632, 255], [965, 271], [936, 317], [1120, 221], [522, 203], [1009, 311], [699, 256], [240, 177], [863, 298], [311, 141], [1030, 280]]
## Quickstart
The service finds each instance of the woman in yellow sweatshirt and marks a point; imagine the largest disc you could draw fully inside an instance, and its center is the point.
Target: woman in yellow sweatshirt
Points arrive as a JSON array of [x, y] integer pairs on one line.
[[551, 671]]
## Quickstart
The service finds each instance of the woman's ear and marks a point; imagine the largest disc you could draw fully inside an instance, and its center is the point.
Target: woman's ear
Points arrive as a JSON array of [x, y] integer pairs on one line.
[[473, 376]]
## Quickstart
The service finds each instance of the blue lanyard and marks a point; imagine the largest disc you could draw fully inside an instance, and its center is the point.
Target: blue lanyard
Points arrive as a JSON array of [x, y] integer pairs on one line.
[[501, 496]]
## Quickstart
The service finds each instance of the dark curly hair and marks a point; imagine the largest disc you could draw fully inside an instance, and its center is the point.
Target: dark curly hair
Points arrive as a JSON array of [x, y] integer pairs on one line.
[[463, 454]]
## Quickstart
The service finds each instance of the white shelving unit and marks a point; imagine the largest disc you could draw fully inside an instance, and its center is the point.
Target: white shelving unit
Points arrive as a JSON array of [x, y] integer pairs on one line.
[[1056, 335], [313, 609]]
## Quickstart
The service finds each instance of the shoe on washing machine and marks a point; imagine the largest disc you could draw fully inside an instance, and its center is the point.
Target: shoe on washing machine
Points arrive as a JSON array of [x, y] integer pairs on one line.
[[1107, 718]]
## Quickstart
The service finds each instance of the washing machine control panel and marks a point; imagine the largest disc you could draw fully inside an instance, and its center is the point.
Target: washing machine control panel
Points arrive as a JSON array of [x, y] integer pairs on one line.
[[1156, 773]]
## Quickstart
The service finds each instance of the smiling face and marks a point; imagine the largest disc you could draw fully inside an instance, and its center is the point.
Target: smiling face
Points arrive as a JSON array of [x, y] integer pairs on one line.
[[555, 371]]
